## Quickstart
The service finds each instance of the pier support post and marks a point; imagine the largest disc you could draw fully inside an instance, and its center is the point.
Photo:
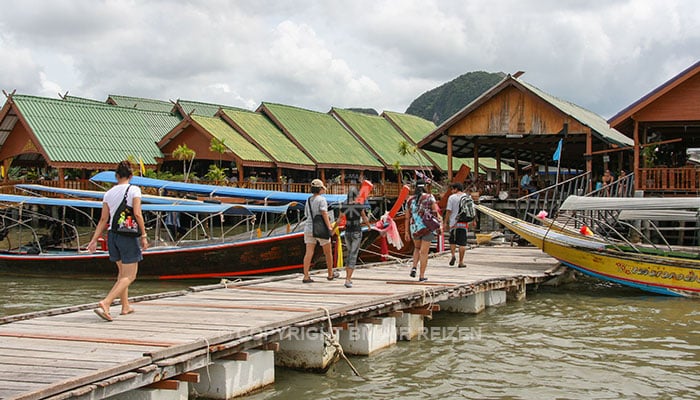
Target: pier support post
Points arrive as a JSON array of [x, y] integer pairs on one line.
[[227, 378], [367, 336], [181, 393], [494, 298], [471, 304], [307, 349], [409, 326], [517, 293]]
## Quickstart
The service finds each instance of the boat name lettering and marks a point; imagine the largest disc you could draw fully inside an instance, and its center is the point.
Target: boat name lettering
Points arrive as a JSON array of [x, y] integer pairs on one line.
[[657, 273]]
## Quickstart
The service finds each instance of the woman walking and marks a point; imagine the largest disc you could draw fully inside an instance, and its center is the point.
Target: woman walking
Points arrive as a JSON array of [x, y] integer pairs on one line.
[[419, 206], [123, 249]]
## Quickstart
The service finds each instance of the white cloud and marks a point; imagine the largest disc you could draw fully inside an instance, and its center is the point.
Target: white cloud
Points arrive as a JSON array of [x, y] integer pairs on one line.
[[382, 54]]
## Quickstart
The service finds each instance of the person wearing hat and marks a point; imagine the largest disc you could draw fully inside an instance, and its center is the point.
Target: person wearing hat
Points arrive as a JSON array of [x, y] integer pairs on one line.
[[315, 205]]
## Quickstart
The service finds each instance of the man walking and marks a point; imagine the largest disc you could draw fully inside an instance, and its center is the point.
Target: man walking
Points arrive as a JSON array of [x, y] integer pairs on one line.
[[457, 229]]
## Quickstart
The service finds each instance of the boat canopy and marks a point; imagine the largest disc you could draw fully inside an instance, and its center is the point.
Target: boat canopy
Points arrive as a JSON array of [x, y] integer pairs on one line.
[[94, 194], [669, 204], [204, 208], [214, 190], [659, 215]]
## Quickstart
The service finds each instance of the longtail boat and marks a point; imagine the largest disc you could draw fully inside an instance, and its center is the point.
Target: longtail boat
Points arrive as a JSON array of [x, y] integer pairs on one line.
[[44, 236], [667, 272]]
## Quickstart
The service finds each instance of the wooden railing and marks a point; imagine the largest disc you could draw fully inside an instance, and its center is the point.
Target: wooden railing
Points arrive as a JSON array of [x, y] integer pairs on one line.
[[685, 180], [389, 190]]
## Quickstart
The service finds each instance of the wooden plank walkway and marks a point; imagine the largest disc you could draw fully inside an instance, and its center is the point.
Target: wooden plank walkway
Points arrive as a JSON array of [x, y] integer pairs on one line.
[[71, 353]]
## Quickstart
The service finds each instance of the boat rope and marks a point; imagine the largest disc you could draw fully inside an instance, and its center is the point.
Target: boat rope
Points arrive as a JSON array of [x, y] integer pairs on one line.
[[225, 282], [334, 341], [400, 260], [206, 341], [427, 292]]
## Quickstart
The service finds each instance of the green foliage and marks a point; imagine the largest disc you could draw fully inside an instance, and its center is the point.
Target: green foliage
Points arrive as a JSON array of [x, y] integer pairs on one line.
[[184, 153], [444, 101], [216, 174], [218, 146]]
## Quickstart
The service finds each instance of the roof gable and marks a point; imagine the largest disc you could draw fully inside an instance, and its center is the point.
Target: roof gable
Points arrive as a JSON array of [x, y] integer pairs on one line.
[[233, 140], [380, 136], [80, 132], [322, 136], [264, 133], [415, 127], [691, 73]]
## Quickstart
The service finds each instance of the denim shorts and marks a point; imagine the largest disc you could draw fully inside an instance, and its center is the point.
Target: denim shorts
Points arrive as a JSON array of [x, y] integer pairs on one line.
[[124, 248]]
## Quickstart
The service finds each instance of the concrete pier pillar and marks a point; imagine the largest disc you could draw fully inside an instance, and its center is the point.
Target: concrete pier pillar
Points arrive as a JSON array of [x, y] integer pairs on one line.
[[367, 336], [409, 326], [471, 304], [307, 349], [518, 292], [494, 298], [241, 374], [181, 393]]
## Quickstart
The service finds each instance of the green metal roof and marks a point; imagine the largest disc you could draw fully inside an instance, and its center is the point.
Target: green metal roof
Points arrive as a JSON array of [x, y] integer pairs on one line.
[[415, 127], [381, 137], [233, 140], [204, 109], [322, 136], [269, 137], [82, 100], [141, 104], [80, 132], [598, 125]]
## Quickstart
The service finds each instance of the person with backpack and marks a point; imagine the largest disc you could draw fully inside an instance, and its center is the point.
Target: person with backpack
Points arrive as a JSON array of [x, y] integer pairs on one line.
[[422, 222], [124, 249], [459, 213]]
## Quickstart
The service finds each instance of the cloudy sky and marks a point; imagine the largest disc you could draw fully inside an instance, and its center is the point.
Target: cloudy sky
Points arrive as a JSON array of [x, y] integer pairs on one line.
[[317, 54]]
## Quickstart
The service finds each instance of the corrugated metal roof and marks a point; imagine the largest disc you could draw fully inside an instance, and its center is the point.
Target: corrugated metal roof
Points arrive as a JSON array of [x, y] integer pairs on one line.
[[415, 127], [82, 100], [594, 121], [322, 137], [141, 103], [233, 140], [267, 135], [78, 132], [204, 109], [381, 137]]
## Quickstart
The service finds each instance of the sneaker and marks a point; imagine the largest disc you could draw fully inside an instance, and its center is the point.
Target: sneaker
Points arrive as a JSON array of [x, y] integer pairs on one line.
[[452, 261], [462, 266], [348, 284], [422, 279], [336, 274], [413, 272], [307, 280]]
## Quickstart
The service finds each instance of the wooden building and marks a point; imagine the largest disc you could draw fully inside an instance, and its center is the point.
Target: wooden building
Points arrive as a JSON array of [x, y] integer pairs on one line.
[[664, 124], [517, 121]]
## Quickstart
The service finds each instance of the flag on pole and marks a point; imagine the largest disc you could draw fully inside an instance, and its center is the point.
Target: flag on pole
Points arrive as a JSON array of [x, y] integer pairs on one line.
[[2, 171], [557, 153], [143, 168]]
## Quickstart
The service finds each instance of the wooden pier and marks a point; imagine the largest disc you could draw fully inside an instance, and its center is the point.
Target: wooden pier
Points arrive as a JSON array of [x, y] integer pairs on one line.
[[70, 353]]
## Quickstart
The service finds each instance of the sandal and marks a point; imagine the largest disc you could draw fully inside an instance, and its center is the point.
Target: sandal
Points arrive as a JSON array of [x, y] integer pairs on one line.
[[309, 280], [336, 274], [413, 272], [103, 312]]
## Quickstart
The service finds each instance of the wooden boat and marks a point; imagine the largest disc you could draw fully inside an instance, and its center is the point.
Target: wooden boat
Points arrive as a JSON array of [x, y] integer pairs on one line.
[[672, 273], [40, 238]]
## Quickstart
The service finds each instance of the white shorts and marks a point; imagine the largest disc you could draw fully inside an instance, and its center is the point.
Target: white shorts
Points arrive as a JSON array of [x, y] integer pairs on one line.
[[310, 239]]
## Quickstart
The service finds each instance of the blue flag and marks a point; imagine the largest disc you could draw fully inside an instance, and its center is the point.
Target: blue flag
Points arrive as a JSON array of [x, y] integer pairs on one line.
[[557, 152]]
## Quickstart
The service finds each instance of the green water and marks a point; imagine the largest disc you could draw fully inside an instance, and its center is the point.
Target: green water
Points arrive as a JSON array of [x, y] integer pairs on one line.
[[587, 340]]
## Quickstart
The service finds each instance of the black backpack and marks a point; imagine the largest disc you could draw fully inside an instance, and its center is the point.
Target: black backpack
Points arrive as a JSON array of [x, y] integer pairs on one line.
[[466, 212]]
